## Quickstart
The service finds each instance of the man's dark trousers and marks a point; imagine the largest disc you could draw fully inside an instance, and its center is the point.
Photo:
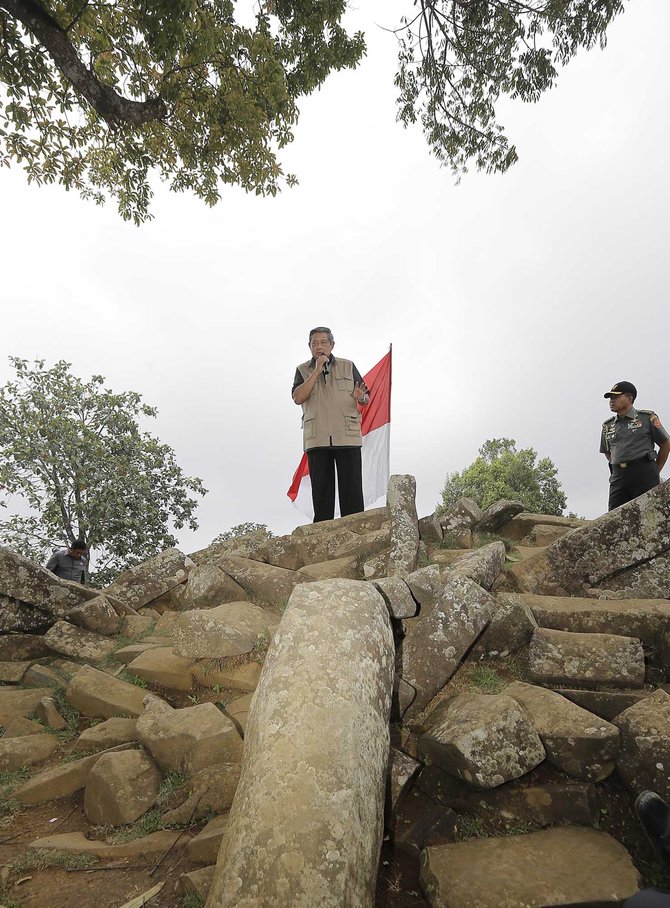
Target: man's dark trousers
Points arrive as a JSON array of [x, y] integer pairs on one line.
[[322, 463], [629, 482]]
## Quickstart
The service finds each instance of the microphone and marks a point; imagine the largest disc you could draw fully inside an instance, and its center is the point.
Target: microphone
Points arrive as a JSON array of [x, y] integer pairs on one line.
[[325, 369]]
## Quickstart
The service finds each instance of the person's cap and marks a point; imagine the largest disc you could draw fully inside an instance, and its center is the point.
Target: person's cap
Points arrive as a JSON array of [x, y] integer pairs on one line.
[[622, 387]]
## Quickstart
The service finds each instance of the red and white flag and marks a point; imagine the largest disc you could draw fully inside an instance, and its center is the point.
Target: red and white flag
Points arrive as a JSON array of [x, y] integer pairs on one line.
[[376, 451]]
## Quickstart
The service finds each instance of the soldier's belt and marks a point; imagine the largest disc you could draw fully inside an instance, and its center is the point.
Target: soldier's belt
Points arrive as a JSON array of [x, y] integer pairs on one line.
[[629, 463]]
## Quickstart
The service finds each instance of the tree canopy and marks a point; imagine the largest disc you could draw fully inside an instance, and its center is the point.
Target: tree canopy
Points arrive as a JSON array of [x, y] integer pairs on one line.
[[74, 454], [98, 96], [500, 471], [244, 529]]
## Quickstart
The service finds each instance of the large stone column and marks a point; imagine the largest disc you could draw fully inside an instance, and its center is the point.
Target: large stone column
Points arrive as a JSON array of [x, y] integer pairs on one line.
[[306, 824]]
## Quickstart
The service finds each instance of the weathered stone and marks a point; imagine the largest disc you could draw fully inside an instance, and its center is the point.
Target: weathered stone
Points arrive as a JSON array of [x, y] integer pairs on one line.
[[363, 522], [404, 542], [137, 625], [511, 627], [435, 644], [73, 641], [605, 703], [56, 783], [190, 739], [15, 753], [402, 770], [162, 666], [47, 711], [211, 791], [461, 516], [364, 547], [328, 570], [247, 546], [650, 580], [64, 668], [648, 620], [397, 596], [426, 824], [226, 630], [13, 672], [97, 615], [376, 566], [207, 586], [140, 585], [644, 759], [403, 696], [165, 624], [426, 586], [551, 867], [99, 696], [204, 848], [45, 675], [623, 538], [307, 820], [19, 726], [523, 525], [20, 702], [128, 653], [149, 846], [22, 647], [484, 740], [239, 677], [483, 565], [575, 803], [197, 881], [105, 735], [120, 788], [561, 657], [497, 515], [238, 711], [31, 595], [430, 529], [261, 581], [576, 741]]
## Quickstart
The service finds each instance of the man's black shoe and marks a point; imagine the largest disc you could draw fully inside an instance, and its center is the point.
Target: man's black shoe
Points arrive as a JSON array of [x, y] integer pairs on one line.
[[654, 814]]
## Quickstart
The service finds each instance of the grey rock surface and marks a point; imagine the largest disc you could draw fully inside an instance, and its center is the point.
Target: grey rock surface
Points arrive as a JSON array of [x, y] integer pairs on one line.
[[644, 760], [207, 586], [121, 787], [461, 516], [404, 542], [584, 660], [577, 742], [226, 630], [497, 515], [397, 596], [306, 823], [150, 580], [435, 644], [68, 640], [188, 739], [553, 867], [485, 740]]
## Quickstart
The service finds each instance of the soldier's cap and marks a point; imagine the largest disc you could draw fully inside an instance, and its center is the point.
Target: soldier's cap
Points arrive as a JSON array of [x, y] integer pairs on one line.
[[622, 387]]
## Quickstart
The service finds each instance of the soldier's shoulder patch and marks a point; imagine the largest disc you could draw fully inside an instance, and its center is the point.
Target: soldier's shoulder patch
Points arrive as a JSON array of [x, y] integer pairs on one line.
[[656, 422]]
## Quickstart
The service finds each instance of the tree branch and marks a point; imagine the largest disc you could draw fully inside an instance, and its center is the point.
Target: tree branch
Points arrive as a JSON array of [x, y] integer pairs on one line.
[[112, 107]]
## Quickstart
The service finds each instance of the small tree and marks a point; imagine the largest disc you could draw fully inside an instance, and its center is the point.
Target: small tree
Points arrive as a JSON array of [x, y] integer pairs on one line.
[[243, 529], [500, 471], [74, 453]]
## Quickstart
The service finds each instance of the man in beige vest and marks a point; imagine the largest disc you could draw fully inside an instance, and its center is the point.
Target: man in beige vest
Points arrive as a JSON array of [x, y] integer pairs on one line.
[[329, 391]]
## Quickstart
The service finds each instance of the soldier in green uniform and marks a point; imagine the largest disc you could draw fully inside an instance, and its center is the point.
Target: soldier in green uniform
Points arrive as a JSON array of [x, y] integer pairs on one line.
[[628, 441]]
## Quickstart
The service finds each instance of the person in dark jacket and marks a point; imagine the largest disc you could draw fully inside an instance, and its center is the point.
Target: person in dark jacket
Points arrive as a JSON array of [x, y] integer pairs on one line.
[[70, 563]]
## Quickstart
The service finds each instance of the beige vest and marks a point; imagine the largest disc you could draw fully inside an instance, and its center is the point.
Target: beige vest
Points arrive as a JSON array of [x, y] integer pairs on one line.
[[330, 416]]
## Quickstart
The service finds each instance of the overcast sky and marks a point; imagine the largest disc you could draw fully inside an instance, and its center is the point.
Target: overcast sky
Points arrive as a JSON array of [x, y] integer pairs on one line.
[[513, 302]]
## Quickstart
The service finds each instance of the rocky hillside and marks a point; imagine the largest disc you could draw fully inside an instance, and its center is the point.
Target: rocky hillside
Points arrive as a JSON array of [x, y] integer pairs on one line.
[[376, 710]]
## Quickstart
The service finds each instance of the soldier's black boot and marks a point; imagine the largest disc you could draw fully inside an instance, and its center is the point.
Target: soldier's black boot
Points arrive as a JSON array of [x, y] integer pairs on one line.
[[654, 814]]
